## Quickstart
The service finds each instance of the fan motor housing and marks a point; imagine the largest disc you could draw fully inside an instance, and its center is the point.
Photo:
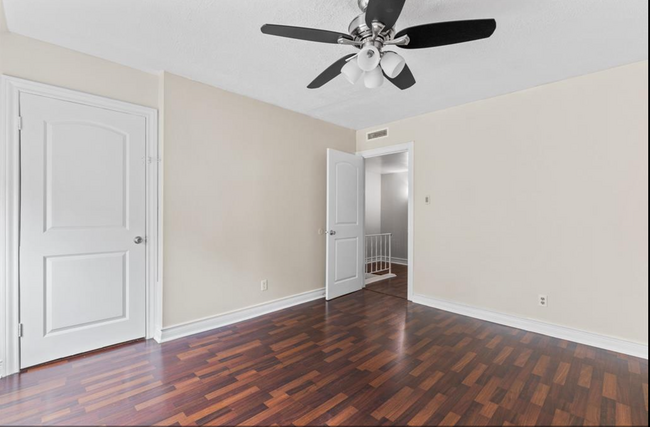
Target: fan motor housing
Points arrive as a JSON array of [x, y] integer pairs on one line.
[[360, 31]]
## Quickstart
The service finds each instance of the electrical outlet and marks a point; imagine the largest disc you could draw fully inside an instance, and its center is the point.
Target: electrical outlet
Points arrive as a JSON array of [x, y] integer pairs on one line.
[[543, 301], [265, 285]]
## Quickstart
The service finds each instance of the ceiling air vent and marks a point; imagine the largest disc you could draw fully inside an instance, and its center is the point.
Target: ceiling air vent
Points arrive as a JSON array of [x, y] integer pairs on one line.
[[377, 134]]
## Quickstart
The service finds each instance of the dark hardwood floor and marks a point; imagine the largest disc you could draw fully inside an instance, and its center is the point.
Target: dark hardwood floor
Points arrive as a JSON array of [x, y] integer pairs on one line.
[[397, 286], [364, 359]]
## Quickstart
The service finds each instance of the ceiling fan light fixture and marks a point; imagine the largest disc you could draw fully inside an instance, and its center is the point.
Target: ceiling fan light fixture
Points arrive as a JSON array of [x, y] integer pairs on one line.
[[375, 29], [392, 64], [352, 72], [369, 58], [374, 78]]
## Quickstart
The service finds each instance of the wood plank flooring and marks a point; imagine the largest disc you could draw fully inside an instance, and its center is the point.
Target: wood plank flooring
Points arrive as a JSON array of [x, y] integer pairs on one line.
[[364, 359], [397, 286]]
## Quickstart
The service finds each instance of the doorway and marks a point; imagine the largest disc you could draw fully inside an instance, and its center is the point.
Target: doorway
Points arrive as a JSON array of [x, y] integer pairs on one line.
[[386, 224], [82, 224], [350, 248]]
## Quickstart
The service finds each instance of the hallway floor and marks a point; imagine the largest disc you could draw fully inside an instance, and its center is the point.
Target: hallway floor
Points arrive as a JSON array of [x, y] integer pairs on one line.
[[395, 287]]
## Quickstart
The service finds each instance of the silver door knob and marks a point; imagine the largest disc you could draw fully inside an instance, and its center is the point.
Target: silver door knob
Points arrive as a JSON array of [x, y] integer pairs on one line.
[[138, 240], [332, 233]]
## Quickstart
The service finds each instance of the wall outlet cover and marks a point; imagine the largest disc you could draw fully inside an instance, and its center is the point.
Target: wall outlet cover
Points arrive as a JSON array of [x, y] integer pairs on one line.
[[543, 300]]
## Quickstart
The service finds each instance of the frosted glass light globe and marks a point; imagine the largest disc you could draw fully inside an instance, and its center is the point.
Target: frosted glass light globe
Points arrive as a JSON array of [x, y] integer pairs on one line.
[[392, 64], [373, 79], [369, 58]]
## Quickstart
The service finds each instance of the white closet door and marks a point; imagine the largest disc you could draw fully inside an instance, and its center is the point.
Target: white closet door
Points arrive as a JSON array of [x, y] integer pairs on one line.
[[82, 264]]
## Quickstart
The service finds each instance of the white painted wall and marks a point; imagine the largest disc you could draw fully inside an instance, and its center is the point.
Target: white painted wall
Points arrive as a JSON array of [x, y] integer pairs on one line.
[[373, 203], [538, 192], [395, 210]]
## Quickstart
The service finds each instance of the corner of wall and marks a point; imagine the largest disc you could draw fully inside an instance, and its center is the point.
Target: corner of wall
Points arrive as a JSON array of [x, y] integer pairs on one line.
[[159, 302], [360, 137], [3, 20]]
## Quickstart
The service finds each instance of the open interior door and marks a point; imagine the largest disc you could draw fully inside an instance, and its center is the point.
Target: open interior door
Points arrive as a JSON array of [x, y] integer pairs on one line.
[[345, 224]]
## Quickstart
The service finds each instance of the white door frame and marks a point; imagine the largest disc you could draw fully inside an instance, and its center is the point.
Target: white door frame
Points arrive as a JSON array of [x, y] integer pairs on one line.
[[10, 123], [395, 149]]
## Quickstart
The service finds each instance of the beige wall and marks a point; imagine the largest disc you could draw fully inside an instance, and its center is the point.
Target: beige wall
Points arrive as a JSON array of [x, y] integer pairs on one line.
[[46, 63], [244, 180], [244, 198], [539, 192], [543, 191], [3, 20]]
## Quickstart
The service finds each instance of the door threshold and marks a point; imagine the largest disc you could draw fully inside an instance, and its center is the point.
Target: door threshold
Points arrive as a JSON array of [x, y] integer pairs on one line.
[[374, 278]]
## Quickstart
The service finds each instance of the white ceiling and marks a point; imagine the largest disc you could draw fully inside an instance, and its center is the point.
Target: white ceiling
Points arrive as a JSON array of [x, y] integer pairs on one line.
[[219, 42], [392, 163]]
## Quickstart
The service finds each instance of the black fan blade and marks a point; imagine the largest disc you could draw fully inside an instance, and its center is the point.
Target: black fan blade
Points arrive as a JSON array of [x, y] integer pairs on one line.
[[405, 80], [329, 74], [385, 11], [309, 34], [446, 33]]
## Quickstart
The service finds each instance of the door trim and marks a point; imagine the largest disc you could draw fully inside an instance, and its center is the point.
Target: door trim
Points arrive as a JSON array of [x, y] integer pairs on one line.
[[10, 90], [395, 149]]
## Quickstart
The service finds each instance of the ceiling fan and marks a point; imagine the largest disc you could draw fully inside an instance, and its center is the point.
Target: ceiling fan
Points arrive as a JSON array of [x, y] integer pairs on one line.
[[374, 30]]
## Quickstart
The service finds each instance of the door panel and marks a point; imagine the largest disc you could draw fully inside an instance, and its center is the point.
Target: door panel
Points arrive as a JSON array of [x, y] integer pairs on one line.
[[82, 277], [347, 260], [93, 192], [71, 282], [347, 197], [345, 222]]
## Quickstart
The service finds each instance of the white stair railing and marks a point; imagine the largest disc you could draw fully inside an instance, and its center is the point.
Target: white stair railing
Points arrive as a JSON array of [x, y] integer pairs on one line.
[[379, 253]]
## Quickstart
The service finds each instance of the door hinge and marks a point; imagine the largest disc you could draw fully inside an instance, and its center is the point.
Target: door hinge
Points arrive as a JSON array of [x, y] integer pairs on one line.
[[19, 122], [20, 330], [151, 160]]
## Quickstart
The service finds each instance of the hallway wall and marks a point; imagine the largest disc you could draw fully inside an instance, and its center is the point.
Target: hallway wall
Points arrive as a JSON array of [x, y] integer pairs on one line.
[[373, 203], [394, 212]]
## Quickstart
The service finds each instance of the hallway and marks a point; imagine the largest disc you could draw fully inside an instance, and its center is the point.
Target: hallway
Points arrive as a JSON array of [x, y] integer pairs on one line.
[[396, 287]]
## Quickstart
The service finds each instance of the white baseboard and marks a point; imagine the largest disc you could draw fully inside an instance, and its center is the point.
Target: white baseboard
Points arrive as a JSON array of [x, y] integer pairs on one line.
[[400, 261], [171, 333], [562, 332], [556, 331]]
